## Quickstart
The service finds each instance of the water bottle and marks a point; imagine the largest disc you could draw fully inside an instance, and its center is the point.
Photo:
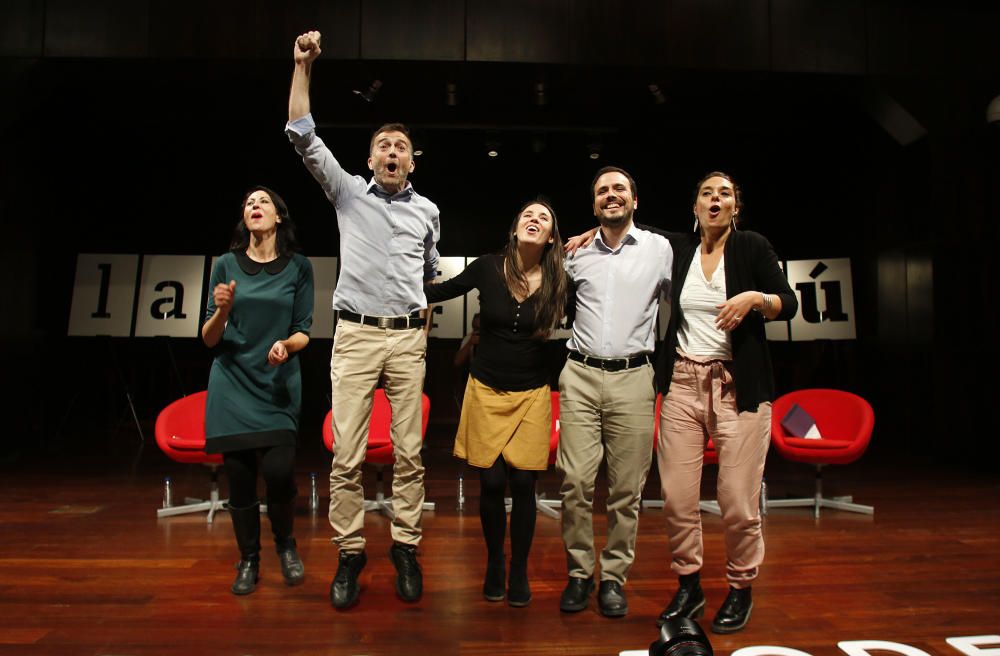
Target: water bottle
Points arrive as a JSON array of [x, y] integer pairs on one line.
[[313, 493], [168, 492]]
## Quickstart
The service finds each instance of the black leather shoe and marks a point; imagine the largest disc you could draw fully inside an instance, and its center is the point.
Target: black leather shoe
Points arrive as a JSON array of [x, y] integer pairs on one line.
[[689, 601], [735, 611], [409, 578], [611, 599], [494, 581], [576, 594], [344, 589], [292, 569], [247, 575], [518, 589]]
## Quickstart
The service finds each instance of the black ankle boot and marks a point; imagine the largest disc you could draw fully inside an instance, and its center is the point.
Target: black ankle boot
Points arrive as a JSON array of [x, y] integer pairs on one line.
[[246, 527], [688, 601], [495, 576], [518, 590], [247, 575], [735, 611], [282, 516]]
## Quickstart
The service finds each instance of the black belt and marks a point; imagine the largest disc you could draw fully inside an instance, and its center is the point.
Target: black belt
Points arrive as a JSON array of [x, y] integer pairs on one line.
[[610, 364], [413, 320]]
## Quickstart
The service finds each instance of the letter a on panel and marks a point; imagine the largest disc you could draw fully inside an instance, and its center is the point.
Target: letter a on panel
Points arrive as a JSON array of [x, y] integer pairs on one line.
[[170, 296]]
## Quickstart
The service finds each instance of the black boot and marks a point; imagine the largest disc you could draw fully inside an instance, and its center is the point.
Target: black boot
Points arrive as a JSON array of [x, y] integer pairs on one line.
[[246, 526], [689, 601], [735, 611], [495, 575], [282, 517], [518, 590]]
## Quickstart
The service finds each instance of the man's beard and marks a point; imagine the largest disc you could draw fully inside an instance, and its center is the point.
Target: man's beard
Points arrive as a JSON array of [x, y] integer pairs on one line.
[[615, 222]]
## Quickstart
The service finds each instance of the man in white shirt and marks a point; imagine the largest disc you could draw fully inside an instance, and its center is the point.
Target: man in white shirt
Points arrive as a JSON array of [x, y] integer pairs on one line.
[[607, 389]]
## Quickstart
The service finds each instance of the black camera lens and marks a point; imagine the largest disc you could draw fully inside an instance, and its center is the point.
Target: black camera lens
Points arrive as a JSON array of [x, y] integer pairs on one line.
[[681, 637]]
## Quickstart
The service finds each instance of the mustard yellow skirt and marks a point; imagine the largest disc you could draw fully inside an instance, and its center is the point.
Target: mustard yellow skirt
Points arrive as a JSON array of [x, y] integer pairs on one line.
[[515, 424]]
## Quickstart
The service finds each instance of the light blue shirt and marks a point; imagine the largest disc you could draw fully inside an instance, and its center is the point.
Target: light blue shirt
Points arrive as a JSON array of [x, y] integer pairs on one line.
[[388, 242], [618, 293]]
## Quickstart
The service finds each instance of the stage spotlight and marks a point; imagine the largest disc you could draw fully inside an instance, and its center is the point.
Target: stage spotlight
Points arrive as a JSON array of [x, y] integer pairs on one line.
[[594, 150], [492, 152], [657, 93], [540, 98], [451, 94], [681, 637], [372, 91], [418, 152]]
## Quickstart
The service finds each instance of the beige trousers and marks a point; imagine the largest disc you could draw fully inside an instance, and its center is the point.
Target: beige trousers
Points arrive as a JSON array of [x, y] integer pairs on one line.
[[701, 402], [603, 413], [361, 354]]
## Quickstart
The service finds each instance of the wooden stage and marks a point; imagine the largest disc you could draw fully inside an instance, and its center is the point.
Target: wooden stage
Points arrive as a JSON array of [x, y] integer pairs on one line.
[[86, 568]]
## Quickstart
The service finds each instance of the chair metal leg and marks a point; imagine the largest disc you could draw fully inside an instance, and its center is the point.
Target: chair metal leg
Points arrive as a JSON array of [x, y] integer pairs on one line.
[[818, 501], [383, 504], [194, 505]]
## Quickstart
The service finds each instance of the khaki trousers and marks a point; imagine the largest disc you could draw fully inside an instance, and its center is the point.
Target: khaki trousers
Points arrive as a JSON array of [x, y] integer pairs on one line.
[[602, 413], [702, 403], [361, 354]]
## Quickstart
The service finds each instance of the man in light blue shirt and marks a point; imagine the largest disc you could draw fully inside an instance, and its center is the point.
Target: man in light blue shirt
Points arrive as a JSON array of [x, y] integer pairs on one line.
[[607, 390], [388, 248]]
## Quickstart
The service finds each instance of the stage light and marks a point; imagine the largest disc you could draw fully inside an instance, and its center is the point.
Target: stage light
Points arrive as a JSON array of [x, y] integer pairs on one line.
[[657, 93], [594, 150], [451, 94], [369, 94], [492, 152], [418, 152], [681, 637]]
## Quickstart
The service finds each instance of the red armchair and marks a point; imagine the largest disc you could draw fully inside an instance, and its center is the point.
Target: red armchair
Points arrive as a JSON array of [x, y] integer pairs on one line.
[[845, 420], [180, 434]]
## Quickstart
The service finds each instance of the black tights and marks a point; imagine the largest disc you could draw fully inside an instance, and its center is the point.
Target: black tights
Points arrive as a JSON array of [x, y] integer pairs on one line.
[[492, 485], [276, 464]]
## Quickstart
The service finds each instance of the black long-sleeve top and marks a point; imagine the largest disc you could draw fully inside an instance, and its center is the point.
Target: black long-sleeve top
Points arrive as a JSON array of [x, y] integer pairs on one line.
[[750, 265], [508, 357]]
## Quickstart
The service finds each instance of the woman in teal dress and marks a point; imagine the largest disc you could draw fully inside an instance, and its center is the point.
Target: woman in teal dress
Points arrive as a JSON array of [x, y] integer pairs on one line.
[[257, 320]]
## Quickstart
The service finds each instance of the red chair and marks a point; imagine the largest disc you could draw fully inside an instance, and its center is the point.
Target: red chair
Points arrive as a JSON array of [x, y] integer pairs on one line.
[[379, 451], [845, 420], [180, 434]]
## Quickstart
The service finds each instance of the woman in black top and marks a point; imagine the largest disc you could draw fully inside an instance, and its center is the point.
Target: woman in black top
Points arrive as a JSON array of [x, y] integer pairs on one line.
[[507, 412], [715, 374]]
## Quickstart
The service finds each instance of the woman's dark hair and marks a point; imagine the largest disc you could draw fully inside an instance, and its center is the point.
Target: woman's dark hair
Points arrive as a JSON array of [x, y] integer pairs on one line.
[[552, 292], [285, 241], [738, 195]]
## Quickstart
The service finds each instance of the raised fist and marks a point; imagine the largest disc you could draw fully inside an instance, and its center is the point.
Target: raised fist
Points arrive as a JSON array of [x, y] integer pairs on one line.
[[306, 47]]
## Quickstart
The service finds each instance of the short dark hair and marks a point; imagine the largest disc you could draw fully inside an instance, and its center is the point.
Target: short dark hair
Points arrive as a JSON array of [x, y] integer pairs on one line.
[[390, 127], [612, 169], [285, 241]]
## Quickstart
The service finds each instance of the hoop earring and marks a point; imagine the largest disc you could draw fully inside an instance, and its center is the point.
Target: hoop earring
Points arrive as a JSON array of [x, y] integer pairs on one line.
[[732, 222], [695, 229]]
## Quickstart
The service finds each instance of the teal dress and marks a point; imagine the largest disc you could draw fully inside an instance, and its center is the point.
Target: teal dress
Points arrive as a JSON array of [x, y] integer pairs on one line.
[[250, 403]]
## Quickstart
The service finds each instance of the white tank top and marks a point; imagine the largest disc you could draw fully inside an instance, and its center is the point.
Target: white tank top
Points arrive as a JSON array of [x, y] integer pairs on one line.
[[696, 333]]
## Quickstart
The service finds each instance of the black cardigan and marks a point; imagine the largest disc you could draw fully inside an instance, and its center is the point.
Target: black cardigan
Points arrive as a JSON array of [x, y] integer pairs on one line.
[[750, 265]]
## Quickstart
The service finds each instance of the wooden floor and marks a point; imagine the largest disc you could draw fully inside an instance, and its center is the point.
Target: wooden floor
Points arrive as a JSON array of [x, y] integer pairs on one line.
[[86, 568]]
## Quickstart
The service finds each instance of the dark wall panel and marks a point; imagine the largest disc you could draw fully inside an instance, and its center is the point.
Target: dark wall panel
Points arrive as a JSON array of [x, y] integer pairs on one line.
[[518, 31], [907, 39], [818, 37], [22, 26], [102, 28], [260, 29], [619, 33], [725, 34], [409, 29]]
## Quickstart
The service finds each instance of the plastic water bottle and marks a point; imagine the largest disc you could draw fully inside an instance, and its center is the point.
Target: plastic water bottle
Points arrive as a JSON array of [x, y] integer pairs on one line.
[[168, 492], [313, 493]]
